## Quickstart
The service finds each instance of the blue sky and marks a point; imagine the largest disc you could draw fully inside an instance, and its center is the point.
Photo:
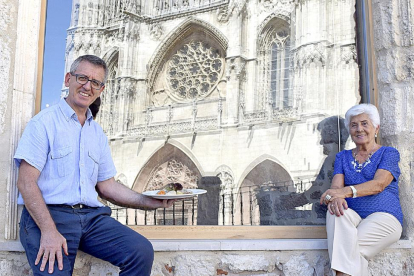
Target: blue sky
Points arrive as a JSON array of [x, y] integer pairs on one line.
[[57, 22]]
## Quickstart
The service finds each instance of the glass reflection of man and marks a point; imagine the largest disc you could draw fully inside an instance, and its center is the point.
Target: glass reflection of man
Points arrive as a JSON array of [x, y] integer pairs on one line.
[[64, 163], [282, 206], [333, 139]]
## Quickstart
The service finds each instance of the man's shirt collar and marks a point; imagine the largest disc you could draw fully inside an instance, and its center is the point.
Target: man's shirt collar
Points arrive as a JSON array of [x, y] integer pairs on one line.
[[68, 112]]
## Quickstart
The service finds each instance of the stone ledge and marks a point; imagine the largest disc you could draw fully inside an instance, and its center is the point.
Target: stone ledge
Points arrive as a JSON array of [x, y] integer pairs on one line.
[[252, 245], [228, 245]]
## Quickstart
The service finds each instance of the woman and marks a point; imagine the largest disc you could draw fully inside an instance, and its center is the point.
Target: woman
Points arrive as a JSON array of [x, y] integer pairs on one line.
[[364, 213]]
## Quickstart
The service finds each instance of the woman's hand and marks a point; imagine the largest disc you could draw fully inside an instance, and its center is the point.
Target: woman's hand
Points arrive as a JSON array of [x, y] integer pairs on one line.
[[330, 194], [337, 206]]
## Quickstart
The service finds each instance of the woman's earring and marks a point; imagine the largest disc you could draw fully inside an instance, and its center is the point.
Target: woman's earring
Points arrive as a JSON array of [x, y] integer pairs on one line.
[[375, 135]]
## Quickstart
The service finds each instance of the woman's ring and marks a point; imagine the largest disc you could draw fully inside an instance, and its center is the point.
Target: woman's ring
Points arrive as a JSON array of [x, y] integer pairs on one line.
[[328, 197]]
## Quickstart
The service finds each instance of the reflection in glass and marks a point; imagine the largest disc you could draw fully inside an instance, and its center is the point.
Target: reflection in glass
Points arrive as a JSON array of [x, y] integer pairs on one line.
[[251, 114]]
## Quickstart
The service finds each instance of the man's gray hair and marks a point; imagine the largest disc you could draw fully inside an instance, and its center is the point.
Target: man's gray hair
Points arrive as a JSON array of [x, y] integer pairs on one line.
[[368, 109], [97, 61]]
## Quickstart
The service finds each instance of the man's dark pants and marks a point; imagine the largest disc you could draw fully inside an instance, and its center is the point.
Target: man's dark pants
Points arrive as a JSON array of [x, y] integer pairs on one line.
[[95, 232]]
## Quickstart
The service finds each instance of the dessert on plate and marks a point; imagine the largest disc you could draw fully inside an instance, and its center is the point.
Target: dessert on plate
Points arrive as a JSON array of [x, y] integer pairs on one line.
[[173, 189]]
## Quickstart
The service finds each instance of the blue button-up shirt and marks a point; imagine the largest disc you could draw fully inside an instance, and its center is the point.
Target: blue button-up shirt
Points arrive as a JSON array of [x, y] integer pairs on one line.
[[71, 158]]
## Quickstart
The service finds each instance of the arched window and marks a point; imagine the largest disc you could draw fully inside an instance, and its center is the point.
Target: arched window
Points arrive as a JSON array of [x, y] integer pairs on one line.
[[274, 60], [280, 71], [191, 70], [107, 114]]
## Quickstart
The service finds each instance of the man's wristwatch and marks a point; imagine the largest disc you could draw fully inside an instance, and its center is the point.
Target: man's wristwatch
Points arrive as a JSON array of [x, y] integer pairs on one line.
[[354, 191]]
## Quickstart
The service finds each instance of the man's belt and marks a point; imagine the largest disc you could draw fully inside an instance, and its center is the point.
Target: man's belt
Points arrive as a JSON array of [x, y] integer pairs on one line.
[[76, 206]]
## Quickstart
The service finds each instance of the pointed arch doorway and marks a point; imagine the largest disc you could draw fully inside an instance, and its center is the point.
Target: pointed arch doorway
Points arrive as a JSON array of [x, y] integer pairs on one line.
[[257, 194], [169, 164]]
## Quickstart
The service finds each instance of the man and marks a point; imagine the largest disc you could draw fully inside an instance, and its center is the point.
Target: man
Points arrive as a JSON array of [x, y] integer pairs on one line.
[[64, 164]]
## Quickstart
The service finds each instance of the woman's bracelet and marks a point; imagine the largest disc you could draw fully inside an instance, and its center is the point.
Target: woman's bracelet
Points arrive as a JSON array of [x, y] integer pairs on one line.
[[354, 192]]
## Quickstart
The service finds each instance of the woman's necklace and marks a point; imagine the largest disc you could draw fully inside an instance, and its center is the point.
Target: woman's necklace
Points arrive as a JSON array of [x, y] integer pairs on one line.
[[359, 166]]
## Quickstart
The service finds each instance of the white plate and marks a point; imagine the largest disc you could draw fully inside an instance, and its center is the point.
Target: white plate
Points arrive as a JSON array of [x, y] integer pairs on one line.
[[194, 193]]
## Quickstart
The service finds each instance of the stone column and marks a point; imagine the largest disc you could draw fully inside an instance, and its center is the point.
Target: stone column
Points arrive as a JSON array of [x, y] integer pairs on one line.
[[24, 49], [207, 210], [233, 63], [393, 22]]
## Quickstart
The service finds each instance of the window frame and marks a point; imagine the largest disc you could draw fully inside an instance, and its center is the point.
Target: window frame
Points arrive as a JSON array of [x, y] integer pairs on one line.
[[366, 61]]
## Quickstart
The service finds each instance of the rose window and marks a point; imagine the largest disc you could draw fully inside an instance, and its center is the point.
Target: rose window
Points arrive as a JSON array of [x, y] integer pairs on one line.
[[193, 71]]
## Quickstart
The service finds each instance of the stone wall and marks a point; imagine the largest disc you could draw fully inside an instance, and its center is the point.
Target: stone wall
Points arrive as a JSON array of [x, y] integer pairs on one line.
[[8, 26], [394, 47], [393, 40], [391, 262]]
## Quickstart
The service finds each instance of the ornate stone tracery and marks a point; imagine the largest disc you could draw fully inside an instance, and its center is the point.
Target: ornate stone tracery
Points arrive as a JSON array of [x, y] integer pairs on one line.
[[236, 65], [349, 54], [226, 192], [179, 36], [171, 171], [309, 54], [223, 15], [193, 71], [156, 31]]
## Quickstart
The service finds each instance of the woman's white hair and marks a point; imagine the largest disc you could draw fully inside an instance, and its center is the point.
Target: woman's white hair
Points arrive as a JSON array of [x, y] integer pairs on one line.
[[368, 109]]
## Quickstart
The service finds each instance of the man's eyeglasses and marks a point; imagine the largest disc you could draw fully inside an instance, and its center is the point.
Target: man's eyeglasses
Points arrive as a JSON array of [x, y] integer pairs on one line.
[[82, 79]]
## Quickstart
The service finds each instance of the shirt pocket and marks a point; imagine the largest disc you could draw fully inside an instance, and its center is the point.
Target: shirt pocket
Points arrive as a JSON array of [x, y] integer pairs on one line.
[[62, 165], [94, 164]]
